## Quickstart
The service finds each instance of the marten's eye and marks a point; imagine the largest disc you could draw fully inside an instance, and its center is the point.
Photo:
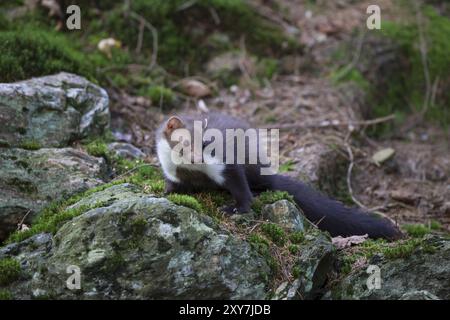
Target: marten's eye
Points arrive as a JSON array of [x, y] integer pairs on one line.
[[186, 143]]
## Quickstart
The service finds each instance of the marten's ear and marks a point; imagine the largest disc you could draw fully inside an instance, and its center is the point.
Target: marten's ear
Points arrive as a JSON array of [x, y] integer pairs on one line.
[[172, 124]]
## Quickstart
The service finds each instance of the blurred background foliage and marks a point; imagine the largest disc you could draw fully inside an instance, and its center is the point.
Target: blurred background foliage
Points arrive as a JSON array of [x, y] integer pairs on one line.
[[190, 33]]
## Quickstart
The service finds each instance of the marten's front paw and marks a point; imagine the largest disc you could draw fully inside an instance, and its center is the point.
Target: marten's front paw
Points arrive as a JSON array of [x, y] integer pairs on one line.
[[229, 210], [234, 210]]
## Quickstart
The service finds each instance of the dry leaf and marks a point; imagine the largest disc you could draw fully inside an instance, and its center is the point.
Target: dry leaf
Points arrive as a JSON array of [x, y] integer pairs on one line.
[[106, 45], [341, 242], [23, 227], [53, 8], [383, 155], [201, 105], [195, 88]]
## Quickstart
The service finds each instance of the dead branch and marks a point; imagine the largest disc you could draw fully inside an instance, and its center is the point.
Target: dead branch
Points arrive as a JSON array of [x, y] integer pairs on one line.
[[349, 171], [154, 32], [334, 123], [424, 57]]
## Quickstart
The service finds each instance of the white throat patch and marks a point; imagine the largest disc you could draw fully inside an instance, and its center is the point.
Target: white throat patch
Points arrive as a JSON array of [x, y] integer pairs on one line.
[[213, 170]]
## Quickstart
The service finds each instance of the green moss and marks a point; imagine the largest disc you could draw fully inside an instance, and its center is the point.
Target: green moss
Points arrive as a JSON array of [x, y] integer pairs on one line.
[[54, 215], [30, 52], [97, 148], [296, 272], [395, 250], [416, 230], [294, 249], [269, 197], [9, 271], [353, 75], [138, 226], [274, 233], [5, 295], [30, 145], [159, 95], [412, 80], [297, 237], [114, 263], [267, 67], [48, 221], [262, 246], [435, 225], [400, 251], [212, 202], [184, 30], [185, 200], [157, 186]]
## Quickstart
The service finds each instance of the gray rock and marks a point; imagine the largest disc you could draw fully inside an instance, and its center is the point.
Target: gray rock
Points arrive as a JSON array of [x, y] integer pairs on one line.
[[229, 65], [136, 246], [424, 274], [286, 214], [418, 295], [125, 150], [29, 180], [315, 262], [51, 110], [319, 165]]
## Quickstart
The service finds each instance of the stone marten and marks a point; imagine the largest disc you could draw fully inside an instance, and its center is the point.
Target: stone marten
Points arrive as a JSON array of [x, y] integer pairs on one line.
[[241, 180]]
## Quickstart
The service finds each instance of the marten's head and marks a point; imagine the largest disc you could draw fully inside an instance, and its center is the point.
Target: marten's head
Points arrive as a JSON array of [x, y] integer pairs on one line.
[[183, 139], [180, 142]]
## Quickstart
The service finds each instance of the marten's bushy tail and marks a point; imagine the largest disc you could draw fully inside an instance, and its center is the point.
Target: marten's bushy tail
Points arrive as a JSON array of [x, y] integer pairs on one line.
[[331, 215]]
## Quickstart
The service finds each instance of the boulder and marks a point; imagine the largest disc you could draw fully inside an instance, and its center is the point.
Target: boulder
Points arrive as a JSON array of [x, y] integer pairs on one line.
[[315, 263], [423, 274], [125, 150], [29, 180], [286, 214], [320, 165], [51, 111], [136, 246]]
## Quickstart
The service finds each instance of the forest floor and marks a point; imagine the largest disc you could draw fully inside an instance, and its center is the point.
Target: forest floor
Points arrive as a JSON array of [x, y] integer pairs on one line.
[[316, 114]]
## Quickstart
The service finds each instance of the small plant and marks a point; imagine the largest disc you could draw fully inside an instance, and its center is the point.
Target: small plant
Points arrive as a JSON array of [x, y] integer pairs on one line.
[[138, 226], [435, 225], [262, 245], [297, 237], [5, 295], [9, 271], [416, 230], [30, 145], [294, 249], [98, 148], [296, 272], [275, 233], [159, 95], [287, 166]]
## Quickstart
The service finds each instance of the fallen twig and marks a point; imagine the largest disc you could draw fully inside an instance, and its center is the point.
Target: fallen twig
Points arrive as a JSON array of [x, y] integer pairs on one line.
[[349, 171], [333, 123], [154, 32]]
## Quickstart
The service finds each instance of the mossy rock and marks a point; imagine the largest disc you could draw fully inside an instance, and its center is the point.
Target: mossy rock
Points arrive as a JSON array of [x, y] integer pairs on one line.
[[52, 111], [131, 242]]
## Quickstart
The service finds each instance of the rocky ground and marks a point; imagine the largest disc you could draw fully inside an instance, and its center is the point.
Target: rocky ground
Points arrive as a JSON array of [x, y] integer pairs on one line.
[[130, 242]]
